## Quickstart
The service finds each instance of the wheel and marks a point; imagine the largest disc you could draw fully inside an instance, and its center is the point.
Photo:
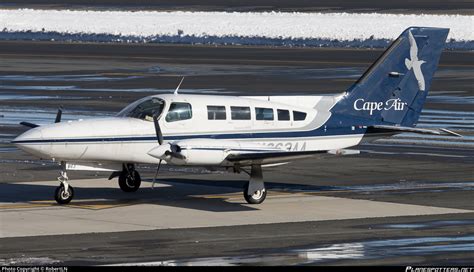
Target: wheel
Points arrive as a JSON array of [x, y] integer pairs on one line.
[[63, 197], [257, 197], [129, 182]]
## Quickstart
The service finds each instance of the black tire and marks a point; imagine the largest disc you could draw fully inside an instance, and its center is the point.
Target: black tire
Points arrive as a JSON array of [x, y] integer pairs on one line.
[[256, 198], [129, 182], [60, 194]]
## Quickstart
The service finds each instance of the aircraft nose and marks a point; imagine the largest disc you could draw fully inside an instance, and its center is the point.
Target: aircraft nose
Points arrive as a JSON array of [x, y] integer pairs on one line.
[[30, 141]]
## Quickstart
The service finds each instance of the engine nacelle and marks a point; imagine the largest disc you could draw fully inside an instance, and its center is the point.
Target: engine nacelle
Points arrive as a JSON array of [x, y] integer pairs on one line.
[[203, 152], [202, 157]]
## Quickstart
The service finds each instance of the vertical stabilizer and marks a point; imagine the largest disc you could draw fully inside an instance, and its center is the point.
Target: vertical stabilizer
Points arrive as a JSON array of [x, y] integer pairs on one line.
[[393, 90]]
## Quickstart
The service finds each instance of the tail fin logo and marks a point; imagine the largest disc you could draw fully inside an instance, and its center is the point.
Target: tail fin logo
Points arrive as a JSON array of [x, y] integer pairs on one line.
[[414, 63], [395, 104]]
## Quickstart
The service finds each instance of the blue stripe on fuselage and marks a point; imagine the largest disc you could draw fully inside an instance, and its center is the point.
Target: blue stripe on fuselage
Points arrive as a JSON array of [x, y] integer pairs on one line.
[[339, 131]]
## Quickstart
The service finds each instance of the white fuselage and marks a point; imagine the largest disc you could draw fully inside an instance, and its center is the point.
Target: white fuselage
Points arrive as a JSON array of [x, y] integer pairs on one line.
[[127, 139]]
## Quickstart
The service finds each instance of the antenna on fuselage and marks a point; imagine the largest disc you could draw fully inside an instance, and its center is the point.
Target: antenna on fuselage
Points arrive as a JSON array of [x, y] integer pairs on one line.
[[179, 85]]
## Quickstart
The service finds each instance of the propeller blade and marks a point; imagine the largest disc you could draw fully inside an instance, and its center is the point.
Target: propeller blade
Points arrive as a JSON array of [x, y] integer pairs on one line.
[[156, 175], [159, 135], [28, 124], [59, 114], [158, 168], [57, 120]]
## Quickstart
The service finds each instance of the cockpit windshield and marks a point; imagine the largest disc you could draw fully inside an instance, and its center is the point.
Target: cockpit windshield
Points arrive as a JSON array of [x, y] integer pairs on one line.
[[144, 109]]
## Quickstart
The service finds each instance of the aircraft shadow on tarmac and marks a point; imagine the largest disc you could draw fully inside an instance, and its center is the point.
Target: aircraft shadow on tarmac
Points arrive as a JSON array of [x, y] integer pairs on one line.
[[174, 194]]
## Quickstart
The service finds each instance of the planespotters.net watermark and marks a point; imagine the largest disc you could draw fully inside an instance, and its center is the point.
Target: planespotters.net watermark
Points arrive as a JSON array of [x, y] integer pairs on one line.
[[438, 269]]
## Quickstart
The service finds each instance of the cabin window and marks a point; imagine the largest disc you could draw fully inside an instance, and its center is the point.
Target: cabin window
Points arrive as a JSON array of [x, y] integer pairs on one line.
[[216, 113], [179, 111], [240, 113], [264, 114], [283, 115], [299, 116]]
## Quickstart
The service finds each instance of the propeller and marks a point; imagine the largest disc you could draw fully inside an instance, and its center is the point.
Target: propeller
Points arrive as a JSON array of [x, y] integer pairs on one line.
[[159, 137], [56, 120], [164, 151], [28, 124]]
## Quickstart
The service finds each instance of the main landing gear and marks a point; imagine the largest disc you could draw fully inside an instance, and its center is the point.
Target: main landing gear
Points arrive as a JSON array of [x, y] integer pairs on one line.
[[129, 179], [254, 190]]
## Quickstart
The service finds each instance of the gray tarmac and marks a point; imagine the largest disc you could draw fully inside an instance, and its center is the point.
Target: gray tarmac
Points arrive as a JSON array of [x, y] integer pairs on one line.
[[403, 200]]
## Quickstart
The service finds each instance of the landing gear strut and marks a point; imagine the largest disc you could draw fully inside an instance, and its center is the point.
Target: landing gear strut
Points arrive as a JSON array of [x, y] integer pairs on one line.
[[64, 193], [254, 190], [129, 179]]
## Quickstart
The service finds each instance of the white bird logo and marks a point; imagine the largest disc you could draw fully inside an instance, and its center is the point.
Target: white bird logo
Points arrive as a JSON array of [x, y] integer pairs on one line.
[[415, 63]]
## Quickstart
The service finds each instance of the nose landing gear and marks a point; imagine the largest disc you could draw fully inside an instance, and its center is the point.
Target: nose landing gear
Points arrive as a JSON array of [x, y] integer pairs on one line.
[[64, 193]]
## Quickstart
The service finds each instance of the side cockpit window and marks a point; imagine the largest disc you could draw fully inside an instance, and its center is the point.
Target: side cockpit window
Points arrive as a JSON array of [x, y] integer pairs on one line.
[[299, 116], [179, 111], [283, 115]]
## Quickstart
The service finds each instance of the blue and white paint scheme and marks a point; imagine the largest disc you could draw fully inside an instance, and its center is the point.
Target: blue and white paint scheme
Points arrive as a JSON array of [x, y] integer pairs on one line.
[[239, 132]]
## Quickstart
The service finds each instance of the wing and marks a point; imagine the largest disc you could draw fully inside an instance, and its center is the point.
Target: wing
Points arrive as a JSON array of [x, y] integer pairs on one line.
[[271, 157], [225, 153]]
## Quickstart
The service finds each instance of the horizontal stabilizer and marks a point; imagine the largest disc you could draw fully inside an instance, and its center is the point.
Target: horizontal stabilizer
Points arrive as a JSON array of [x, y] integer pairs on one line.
[[385, 128], [450, 132]]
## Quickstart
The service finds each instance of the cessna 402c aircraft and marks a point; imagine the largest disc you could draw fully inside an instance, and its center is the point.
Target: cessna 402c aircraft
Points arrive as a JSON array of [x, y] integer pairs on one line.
[[246, 133]]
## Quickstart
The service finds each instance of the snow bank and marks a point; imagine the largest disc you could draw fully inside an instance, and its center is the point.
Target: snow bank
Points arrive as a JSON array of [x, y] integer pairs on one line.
[[313, 29]]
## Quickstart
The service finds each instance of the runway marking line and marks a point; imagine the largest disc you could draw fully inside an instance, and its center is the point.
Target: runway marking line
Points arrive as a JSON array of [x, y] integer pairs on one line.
[[105, 204], [46, 203], [23, 206]]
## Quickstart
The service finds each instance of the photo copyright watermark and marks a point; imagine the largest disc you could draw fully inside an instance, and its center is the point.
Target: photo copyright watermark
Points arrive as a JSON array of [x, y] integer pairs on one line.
[[438, 269], [33, 269]]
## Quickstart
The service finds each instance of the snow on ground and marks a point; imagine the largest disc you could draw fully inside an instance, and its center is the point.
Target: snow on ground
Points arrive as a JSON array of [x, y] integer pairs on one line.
[[226, 27]]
